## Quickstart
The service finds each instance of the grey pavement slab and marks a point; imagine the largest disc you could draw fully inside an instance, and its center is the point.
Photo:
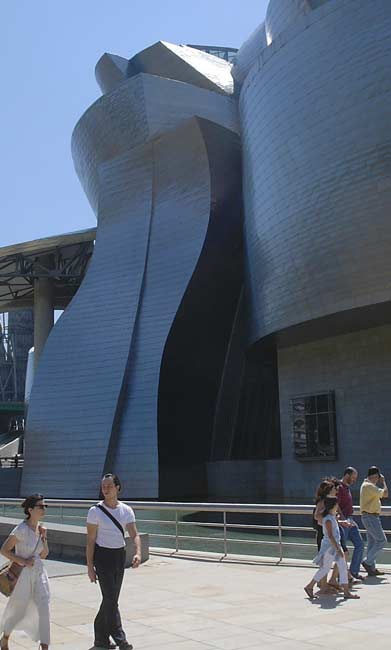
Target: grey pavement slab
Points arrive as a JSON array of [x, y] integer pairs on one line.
[[184, 604]]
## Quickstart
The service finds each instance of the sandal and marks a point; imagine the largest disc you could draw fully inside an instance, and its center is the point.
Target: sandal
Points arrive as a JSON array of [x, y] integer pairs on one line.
[[351, 596], [4, 643], [309, 593]]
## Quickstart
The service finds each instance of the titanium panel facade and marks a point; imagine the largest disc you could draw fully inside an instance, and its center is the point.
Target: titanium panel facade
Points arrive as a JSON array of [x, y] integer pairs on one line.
[[315, 117], [146, 155], [148, 372]]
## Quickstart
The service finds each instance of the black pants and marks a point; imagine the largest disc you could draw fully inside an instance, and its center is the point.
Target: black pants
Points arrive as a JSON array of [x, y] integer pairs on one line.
[[109, 566]]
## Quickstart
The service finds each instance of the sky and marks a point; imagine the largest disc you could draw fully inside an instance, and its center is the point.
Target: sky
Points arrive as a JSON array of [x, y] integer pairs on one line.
[[48, 52]]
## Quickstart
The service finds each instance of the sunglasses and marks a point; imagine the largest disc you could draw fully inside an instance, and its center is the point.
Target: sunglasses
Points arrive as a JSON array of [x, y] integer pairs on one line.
[[41, 505]]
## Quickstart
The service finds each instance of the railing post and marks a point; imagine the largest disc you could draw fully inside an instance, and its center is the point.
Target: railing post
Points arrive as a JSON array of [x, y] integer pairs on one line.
[[280, 534], [225, 533], [176, 532]]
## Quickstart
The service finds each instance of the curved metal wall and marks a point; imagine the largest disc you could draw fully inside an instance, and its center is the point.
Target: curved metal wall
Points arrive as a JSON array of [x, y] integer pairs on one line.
[[145, 163], [315, 114], [281, 14]]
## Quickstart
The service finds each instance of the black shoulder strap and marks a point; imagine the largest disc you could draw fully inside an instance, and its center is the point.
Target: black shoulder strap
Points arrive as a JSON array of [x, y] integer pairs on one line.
[[110, 516]]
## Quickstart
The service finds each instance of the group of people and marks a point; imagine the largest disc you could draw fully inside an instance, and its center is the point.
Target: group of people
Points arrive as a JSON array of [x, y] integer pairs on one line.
[[336, 525], [109, 520], [28, 606]]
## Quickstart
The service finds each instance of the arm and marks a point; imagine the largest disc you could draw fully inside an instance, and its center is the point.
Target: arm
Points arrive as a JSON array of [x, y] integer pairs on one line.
[[6, 550], [383, 485], [43, 533], [133, 533], [332, 539], [92, 530]]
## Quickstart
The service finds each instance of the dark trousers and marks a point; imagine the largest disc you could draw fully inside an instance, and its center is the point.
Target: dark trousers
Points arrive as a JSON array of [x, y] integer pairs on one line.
[[109, 566]]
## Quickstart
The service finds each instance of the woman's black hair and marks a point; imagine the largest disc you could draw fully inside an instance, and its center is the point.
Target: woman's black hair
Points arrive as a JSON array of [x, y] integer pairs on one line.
[[329, 504], [31, 502], [115, 478]]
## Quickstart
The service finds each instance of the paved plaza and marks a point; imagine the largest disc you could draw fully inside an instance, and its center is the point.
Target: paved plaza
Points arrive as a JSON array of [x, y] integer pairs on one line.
[[183, 604]]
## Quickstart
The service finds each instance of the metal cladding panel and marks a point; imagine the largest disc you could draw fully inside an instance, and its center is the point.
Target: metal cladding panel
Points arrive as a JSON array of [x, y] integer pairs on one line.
[[281, 14], [181, 208], [114, 124], [169, 102], [79, 379], [248, 54], [184, 64], [110, 71], [139, 109], [315, 118]]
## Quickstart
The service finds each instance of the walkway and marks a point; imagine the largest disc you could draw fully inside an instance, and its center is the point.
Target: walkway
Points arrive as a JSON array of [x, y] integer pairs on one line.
[[182, 604]]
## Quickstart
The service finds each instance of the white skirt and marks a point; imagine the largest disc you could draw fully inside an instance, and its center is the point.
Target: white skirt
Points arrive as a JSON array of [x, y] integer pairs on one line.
[[28, 606]]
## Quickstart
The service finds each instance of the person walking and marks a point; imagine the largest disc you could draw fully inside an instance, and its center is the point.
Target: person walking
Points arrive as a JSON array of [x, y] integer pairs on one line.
[[328, 487], [373, 489], [350, 528], [28, 606], [107, 522], [330, 551]]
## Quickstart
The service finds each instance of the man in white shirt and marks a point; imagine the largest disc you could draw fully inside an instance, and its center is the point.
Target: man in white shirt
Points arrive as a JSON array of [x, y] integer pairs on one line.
[[106, 526]]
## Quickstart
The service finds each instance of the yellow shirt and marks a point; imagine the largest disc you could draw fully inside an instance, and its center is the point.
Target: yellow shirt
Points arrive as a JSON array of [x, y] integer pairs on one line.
[[370, 496]]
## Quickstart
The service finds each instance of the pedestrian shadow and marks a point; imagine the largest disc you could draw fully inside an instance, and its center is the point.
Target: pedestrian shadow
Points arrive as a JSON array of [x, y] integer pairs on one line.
[[372, 581], [331, 601]]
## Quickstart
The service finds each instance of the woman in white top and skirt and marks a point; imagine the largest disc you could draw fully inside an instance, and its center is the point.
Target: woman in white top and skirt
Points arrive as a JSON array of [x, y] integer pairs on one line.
[[28, 606]]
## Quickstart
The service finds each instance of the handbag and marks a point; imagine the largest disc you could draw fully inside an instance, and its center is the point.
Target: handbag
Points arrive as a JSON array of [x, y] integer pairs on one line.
[[9, 575]]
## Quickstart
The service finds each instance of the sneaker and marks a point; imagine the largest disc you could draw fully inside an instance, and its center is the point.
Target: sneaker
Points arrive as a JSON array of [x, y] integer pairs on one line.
[[369, 569], [125, 646]]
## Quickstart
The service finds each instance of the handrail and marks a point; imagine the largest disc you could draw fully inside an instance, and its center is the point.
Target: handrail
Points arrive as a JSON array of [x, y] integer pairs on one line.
[[184, 506], [277, 529]]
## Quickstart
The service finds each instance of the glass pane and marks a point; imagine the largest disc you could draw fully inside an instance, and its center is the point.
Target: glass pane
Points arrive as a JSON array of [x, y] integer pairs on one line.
[[298, 406], [300, 441], [322, 403], [312, 434], [326, 437], [310, 404]]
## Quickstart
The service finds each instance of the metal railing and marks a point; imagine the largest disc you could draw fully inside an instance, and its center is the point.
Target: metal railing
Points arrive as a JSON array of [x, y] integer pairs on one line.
[[279, 530]]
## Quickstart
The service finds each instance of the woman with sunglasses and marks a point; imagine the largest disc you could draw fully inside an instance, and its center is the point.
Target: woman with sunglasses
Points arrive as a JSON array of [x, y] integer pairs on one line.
[[28, 606]]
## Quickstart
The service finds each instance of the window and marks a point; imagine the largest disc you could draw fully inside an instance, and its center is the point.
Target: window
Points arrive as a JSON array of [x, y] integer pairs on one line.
[[314, 427]]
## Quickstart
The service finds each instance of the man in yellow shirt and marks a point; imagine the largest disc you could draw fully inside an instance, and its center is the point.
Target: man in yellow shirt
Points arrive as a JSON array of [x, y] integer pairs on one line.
[[373, 489]]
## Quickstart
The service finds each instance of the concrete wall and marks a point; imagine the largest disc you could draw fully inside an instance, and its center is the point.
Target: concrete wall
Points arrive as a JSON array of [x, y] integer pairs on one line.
[[315, 111], [245, 480], [358, 367]]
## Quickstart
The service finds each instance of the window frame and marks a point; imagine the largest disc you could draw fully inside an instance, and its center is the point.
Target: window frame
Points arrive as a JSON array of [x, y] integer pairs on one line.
[[332, 418]]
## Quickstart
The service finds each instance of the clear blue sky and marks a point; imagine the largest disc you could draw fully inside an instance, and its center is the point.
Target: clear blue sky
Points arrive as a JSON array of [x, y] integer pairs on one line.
[[49, 49]]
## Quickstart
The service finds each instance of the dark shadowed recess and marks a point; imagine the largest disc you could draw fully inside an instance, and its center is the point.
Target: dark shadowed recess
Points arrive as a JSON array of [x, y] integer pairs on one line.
[[196, 348]]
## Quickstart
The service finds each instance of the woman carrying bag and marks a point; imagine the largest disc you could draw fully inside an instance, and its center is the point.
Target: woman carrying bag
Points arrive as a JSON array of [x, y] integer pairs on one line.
[[28, 605]]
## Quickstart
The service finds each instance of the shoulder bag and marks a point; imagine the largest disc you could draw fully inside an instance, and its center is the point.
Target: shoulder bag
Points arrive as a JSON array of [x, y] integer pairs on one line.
[[113, 519], [10, 573]]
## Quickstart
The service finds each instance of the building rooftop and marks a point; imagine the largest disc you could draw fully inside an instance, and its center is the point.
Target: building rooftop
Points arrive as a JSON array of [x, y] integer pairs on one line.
[[63, 257]]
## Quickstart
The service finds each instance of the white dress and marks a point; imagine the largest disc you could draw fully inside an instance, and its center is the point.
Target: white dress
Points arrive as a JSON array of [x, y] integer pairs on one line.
[[27, 608]]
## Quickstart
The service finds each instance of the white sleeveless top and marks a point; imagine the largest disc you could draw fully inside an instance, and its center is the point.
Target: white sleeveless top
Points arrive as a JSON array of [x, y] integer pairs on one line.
[[26, 541]]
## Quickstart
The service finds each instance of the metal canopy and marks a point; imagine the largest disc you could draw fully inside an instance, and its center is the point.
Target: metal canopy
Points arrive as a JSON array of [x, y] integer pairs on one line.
[[63, 258]]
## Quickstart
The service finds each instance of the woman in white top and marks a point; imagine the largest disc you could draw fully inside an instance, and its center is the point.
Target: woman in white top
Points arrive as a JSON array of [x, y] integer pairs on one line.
[[330, 551], [28, 606]]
